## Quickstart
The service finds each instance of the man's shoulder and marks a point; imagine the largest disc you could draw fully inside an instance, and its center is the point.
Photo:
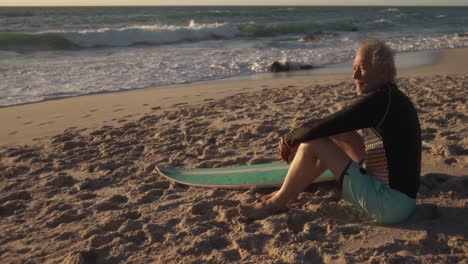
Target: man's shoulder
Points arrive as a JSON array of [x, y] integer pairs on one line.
[[378, 94], [396, 92]]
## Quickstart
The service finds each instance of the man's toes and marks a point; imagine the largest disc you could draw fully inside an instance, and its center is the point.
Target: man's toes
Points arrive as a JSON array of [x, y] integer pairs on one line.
[[262, 197]]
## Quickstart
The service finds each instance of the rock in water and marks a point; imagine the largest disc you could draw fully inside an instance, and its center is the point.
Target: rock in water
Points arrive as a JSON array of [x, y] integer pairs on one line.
[[279, 67], [309, 38]]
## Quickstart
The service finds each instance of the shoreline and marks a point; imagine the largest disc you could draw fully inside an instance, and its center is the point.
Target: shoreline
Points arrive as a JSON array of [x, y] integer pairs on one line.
[[423, 58], [29, 122]]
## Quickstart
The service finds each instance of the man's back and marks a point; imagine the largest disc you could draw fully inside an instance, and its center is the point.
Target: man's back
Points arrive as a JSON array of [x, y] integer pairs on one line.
[[401, 134]]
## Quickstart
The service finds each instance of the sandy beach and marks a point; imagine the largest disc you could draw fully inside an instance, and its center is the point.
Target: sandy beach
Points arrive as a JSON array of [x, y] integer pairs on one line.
[[77, 183]]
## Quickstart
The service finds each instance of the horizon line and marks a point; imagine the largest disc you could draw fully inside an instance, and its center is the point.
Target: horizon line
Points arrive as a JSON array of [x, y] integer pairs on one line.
[[236, 6]]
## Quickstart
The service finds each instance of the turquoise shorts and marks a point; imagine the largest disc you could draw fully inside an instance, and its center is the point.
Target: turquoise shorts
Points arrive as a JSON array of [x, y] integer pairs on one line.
[[379, 201]]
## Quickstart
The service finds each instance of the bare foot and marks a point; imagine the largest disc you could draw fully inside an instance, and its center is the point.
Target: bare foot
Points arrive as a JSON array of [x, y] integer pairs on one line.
[[266, 197], [261, 210]]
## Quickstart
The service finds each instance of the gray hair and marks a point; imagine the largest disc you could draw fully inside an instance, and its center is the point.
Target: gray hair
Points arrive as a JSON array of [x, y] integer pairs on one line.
[[381, 54]]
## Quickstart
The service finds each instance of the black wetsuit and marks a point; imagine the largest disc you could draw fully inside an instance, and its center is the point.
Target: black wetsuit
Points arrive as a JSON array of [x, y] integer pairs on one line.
[[391, 114]]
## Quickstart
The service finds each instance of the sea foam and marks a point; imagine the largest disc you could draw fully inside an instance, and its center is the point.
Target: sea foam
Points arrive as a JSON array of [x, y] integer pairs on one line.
[[157, 34]]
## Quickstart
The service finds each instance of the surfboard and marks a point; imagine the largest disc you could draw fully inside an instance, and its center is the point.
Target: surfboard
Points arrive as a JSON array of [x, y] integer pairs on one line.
[[239, 177]]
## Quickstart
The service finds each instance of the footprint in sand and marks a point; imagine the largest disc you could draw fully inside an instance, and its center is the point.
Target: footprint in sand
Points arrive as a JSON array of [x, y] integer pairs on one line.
[[13, 133], [70, 129], [201, 208], [93, 184], [145, 104], [68, 216], [112, 203], [86, 196], [86, 116], [150, 196], [46, 123], [27, 123], [11, 207], [93, 110], [179, 104], [89, 256], [153, 185]]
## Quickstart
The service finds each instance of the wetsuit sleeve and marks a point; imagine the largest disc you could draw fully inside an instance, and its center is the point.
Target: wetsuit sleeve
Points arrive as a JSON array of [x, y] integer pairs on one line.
[[365, 112]]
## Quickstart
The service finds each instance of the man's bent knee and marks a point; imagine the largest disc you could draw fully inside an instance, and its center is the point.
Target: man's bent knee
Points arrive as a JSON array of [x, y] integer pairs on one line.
[[328, 152], [313, 146]]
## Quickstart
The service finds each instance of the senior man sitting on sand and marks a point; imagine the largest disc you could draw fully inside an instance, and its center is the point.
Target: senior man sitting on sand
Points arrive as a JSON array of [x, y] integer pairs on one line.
[[379, 171]]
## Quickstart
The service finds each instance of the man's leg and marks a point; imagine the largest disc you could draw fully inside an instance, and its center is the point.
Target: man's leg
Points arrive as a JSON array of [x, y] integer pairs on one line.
[[319, 166], [350, 142], [311, 159]]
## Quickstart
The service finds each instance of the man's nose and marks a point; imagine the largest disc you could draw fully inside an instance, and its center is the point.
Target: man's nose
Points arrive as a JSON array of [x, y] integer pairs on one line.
[[356, 74]]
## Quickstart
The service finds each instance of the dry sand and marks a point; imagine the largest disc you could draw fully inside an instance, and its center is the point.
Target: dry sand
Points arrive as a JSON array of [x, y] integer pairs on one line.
[[77, 182]]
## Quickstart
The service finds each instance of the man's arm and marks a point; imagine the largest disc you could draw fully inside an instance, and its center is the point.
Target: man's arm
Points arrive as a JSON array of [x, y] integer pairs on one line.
[[365, 112]]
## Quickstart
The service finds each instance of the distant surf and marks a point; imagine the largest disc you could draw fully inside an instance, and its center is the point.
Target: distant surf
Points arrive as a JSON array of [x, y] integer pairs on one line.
[[119, 37], [160, 34]]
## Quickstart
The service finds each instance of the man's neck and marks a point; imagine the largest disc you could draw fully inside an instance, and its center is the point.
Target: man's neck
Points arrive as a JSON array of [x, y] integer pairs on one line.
[[377, 87]]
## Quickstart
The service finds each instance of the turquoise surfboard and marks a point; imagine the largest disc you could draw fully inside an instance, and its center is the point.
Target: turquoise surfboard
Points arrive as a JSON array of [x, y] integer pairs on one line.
[[239, 177]]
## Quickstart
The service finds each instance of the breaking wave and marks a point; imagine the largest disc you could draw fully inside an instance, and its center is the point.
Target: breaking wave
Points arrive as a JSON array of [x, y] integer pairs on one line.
[[108, 37]]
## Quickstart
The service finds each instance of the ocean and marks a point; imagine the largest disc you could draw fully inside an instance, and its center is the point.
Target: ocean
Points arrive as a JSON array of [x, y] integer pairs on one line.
[[57, 52]]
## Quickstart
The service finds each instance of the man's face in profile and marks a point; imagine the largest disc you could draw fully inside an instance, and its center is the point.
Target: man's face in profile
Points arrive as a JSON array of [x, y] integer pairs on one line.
[[366, 76]]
